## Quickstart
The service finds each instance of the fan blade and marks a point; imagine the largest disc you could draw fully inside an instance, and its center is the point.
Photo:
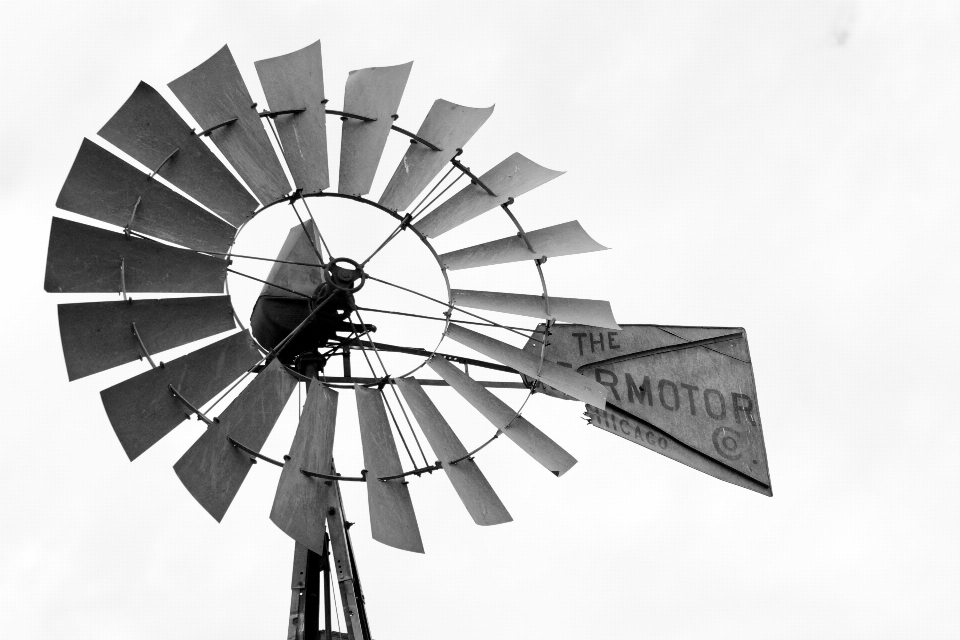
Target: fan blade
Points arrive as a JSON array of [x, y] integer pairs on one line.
[[295, 81], [392, 520], [85, 259], [471, 485], [97, 336], [567, 381], [510, 179], [448, 126], [102, 186], [372, 93], [596, 313], [213, 469], [551, 242], [214, 93], [296, 248], [148, 129], [300, 506], [143, 409], [533, 441]]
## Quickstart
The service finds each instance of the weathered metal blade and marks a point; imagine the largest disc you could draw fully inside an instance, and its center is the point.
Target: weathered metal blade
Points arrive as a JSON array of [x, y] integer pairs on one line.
[[213, 469], [694, 384], [85, 259], [593, 312], [471, 485], [567, 381], [296, 248], [447, 126], [148, 129], [102, 186], [559, 240], [97, 336], [510, 179], [214, 93], [295, 81], [372, 93], [533, 441], [646, 435], [301, 503], [143, 409], [392, 520]]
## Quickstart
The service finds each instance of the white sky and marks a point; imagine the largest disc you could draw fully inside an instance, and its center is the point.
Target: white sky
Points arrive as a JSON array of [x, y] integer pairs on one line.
[[785, 167]]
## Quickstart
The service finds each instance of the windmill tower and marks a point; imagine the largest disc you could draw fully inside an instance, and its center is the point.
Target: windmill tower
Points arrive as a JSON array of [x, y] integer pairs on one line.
[[685, 392]]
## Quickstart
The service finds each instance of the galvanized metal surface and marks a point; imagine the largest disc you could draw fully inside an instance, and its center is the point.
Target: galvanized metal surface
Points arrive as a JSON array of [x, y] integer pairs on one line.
[[85, 259], [448, 126], [392, 519], [564, 239], [374, 93], [296, 248], [301, 503], [646, 435], [102, 186], [97, 336], [527, 363], [534, 442], [511, 178], [213, 469], [343, 564], [593, 312], [695, 384], [142, 409], [479, 498], [295, 81], [213, 93], [148, 129]]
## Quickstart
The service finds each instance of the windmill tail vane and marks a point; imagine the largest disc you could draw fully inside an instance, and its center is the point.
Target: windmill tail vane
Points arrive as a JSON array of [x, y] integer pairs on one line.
[[684, 392]]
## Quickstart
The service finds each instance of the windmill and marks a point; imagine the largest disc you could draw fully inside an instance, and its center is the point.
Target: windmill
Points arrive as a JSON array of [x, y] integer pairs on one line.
[[685, 392]]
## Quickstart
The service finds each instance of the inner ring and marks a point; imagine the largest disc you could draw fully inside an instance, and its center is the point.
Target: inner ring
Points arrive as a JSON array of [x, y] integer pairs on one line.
[[344, 286]]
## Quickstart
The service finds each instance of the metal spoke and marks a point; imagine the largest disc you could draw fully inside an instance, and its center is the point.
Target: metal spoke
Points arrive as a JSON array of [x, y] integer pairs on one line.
[[302, 295], [315, 225], [452, 306], [415, 315], [386, 374]]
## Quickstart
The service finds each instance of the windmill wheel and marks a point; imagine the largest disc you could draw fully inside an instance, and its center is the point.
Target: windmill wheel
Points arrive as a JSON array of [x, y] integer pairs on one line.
[[310, 311]]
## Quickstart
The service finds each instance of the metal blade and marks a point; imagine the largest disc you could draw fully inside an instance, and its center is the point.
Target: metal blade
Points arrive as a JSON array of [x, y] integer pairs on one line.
[[533, 441], [392, 520], [102, 186], [510, 179], [301, 503], [85, 259], [213, 469], [646, 435], [567, 381], [143, 409], [471, 485], [296, 248], [448, 126], [372, 93], [148, 129], [559, 240], [295, 81], [214, 93], [596, 313], [97, 336]]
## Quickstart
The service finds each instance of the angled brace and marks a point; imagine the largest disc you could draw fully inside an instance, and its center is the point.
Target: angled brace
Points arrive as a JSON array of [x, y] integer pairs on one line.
[[143, 348], [193, 409]]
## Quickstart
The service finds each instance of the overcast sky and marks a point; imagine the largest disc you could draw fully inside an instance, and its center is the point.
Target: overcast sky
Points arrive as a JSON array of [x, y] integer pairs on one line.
[[787, 167]]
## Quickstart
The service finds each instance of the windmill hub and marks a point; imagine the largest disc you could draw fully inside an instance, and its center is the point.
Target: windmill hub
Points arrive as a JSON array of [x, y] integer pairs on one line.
[[346, 274]]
